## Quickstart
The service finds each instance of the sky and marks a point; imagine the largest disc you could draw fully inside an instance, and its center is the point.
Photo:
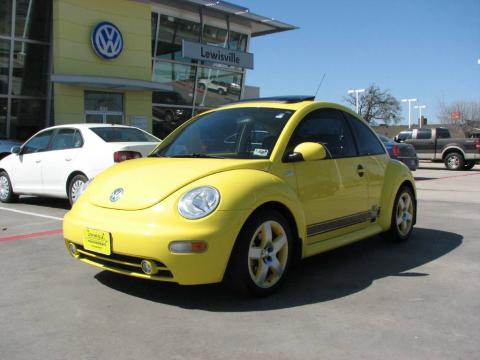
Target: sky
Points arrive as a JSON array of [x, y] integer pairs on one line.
[[424, 49]]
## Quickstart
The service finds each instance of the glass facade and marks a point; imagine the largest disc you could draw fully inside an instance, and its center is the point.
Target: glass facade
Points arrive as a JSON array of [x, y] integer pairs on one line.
[[191, 86], [24, 66]]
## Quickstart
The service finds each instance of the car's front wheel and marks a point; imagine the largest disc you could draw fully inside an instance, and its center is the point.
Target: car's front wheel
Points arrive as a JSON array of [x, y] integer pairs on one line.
[[403, 215], [262, 254], [75, 187], [6, 191], [454, 161]]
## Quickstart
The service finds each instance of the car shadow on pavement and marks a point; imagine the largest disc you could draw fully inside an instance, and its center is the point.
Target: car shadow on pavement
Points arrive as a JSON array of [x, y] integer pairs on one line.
[[324, 277], [45, 202]]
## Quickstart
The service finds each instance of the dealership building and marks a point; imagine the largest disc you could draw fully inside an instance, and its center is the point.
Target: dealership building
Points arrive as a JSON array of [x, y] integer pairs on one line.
[[146, 63]]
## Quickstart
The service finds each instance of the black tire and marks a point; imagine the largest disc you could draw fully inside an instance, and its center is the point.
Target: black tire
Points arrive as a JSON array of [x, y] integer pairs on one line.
[[469, 165], [454, 161], [6, 191], [73, 187], [396, 233], [242, 267]]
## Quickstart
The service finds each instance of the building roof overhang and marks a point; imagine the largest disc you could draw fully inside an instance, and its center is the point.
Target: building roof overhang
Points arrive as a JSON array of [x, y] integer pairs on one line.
[[260, 25], [112, 83]]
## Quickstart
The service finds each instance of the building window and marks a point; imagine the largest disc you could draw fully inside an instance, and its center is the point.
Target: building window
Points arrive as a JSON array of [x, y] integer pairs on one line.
[[27, 117], [166, 119], [4, 65], [103, 107], [179, 79], [3, 118], [170, 35], [32, 19], [217, 87], [30, 69], [5, 17]]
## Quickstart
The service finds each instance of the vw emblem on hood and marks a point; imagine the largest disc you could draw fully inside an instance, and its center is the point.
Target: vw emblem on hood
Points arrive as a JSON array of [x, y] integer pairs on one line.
[[116, 194], [107, 40]]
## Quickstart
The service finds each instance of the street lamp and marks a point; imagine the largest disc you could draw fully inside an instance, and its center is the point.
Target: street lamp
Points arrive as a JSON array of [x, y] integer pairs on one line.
[[356, 91], [409, 110], [420, 107]]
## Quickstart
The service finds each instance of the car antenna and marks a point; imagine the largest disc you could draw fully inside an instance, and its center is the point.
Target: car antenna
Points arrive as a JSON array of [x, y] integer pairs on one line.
[[320, 85]]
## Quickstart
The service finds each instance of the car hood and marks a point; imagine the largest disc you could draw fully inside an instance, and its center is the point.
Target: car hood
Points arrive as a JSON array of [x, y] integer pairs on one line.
[[146, 182]]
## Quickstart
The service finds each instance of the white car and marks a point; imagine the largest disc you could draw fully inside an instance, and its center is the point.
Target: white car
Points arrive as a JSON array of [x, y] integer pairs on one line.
[[59, 160]]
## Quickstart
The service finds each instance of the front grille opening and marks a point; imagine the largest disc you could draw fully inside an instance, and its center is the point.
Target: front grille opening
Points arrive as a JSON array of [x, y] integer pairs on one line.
[[127, 263]]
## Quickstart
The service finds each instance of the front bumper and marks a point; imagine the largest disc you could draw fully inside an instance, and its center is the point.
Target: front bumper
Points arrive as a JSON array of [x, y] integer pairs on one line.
[[146, 234]]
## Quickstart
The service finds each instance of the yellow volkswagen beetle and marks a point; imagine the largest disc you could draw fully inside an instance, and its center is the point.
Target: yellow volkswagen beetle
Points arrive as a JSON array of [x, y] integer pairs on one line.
[[240, 193]]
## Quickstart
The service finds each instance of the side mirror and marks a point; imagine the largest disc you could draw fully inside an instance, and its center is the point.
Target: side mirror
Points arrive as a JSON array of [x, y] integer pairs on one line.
[[16, 150], [308, 151]]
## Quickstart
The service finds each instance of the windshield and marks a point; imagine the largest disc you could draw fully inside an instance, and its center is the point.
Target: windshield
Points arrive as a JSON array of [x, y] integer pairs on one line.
[[241, 133], [123, 134]]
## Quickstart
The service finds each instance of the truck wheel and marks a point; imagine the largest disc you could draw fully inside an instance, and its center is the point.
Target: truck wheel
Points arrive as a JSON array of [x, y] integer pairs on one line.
[[469, 165], [454, 161]]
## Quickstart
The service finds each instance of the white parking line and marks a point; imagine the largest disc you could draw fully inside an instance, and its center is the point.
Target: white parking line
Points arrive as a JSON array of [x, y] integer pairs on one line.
[[32, 214]]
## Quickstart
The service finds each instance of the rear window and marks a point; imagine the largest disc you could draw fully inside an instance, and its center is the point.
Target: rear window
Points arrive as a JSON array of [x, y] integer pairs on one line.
[[424, 134], [122, 134]]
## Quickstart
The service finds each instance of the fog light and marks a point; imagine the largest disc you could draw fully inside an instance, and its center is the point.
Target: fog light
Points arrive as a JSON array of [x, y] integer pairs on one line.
[[185, 247], [148, 267], [73, 250]]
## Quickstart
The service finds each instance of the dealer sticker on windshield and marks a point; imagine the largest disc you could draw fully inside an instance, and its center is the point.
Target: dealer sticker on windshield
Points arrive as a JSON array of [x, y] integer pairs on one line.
[[260, 152]]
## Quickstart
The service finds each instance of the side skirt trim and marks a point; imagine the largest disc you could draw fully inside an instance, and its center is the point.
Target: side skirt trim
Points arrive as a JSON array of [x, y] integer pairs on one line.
[[330, 225]]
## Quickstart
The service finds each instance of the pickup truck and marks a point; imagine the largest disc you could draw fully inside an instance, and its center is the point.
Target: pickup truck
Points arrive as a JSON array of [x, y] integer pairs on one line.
[[437, 145]]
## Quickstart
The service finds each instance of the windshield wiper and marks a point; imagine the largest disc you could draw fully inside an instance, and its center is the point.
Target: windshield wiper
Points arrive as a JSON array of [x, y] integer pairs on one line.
[[197, 155]]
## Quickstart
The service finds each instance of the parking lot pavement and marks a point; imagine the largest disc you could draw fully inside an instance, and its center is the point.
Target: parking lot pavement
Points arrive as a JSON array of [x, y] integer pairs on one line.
[[371, 300]]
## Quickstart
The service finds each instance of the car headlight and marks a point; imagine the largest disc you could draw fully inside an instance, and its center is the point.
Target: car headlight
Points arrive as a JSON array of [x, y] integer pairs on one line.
[[199, 202]]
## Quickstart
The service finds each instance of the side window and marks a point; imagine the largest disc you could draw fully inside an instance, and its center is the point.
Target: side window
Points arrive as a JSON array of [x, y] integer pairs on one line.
[[38, 143], [367, 142], [405, 135], [67, 139], [327, 127], [424, 134], [443, 133]]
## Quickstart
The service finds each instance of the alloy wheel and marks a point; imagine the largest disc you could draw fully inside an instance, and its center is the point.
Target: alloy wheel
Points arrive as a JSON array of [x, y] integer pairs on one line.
[[4, 187], [404, 214], [75, 189], [268, 254]]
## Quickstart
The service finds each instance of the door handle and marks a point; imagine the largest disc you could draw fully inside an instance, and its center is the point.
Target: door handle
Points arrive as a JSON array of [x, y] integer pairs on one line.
[[68, 159], [38, 161], [360, 170]]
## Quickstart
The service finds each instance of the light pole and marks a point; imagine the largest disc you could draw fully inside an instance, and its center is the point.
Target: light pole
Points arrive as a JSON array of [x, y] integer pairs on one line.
[[420, 107], [409, 110], [356, 91]]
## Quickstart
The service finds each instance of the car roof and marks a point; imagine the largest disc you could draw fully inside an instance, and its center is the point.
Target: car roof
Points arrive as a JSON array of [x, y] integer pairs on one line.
[[87, 126]]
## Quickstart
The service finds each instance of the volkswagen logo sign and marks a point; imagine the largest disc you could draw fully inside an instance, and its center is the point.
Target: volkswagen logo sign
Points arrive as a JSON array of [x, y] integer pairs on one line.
[[107, 40], [116, 194]]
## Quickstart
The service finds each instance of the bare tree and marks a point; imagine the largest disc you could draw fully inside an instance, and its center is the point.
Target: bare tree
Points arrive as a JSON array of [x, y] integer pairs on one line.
[[376, 105], [464, 115]]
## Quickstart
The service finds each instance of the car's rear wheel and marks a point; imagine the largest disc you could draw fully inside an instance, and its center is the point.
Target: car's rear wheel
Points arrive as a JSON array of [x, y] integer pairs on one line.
[[262, 254], [6, 191], [454, 161], [403, 215], [75, 186], [469, 165]]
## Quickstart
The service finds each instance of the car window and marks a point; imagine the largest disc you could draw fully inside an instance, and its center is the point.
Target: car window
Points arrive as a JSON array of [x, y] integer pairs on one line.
[[404, 135], [327, 127], [123, 134], [241, 133], [385, 139], [38, 143], [443, 133], [424, 133], [367, 142], [67, 139]]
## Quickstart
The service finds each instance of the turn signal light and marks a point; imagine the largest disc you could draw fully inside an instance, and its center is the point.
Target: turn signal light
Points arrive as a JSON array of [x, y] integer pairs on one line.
[[185, 247], [119, 156]]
